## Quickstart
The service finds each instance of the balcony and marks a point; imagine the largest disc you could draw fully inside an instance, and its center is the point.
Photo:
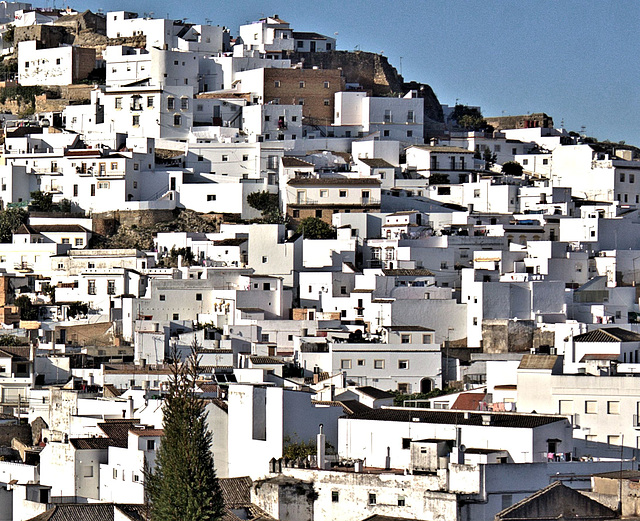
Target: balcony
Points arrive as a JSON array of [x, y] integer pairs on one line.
[[23, 267]]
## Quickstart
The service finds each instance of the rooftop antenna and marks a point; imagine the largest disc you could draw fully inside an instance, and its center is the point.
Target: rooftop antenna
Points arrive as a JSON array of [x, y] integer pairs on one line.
[[562, 123], [583, 130], [207, 21]]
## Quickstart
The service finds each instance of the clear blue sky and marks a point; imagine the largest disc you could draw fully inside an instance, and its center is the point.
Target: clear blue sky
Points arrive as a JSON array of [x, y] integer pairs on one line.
[[576, 60]]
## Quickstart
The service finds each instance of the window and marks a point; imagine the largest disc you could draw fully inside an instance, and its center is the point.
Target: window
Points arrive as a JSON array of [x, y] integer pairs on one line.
[[265, 260], [26, 65], [622, 177], [403, 388], [405, 339], [372, 498], [176, 316], [266, 286], [401, 501], [294, 118], [65, 240], [75, 190], [135, 121], [177, 120], [406, 443], [327, 102], [118, 104], [171, 103], [343, 290], [245, 157], [115, 473], [409, 133], [184, 103], [326, 84], [613, 439], [613, 407], [545, 161], [591, 407], [276, 83], [361, 362], [149, 101], [296, 213], [324, 193], [342, 193], [427, 338], [111, 287], [300, 102], [590, 439], [335, 496], [88, 471], [198, 296], [211, 197], [264, 337], [162, 298], [385, 133], [225, 158], [345, 364], [103, 185], [378, 364], [302, 84], [403, 364], [91, 287], [525, 162], [476, 193]]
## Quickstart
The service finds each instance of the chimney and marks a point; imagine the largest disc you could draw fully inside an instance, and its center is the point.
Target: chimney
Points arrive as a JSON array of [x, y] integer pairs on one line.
[[387, 460], [320, 447], [130, 400]]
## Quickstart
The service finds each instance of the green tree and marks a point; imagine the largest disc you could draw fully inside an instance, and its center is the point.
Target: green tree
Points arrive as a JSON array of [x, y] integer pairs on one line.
[[489, 158], [77, 308], [10, 340], [183, 486], [9, 34], [314, 228], [41, 201], [267, 204], [512, 168], [27, 310], [10, 221], [470, 118]]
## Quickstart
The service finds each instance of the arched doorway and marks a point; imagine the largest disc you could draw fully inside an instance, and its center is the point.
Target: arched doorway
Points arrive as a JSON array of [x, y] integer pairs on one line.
[[426, 385]]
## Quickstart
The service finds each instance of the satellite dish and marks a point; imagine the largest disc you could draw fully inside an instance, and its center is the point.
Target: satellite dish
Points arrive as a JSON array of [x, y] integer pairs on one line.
[[462, 448]]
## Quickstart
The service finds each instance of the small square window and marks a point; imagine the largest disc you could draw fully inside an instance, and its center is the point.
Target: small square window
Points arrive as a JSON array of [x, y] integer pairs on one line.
[[162, 298], [403, 364], [302, 84], [406, 443], [326, 84], [372, 499], [361, 362], [300, 102], [225, 158], [342, 193], [276, 83], [378, 364], [151, 445], [265, 260], [401, 501], [176, 316], [211, 197], [327, 102], [405, 339], [335, 496], [198, 296], [345, 364]]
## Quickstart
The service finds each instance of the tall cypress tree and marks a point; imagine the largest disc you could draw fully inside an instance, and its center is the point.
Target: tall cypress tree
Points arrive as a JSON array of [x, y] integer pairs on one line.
[[183, 486]]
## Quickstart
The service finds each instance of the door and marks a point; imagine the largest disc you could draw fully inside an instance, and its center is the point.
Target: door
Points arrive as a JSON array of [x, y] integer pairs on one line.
[[312, 46]]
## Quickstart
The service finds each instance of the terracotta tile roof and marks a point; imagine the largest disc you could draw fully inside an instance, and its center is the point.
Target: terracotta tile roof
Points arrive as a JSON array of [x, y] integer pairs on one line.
[[265, 360], [90, 443], [468, 401], [373, 392], [292, 162], [73, 512], [538, 362], [406, 272], [376, 162], [608, 334], [146, 432], [118, 431], [449, 417], [430, 148], [236, 491], [333, 181]]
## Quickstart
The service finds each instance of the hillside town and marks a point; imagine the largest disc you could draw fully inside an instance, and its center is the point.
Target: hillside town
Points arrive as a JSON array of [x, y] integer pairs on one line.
[[398, 309]]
